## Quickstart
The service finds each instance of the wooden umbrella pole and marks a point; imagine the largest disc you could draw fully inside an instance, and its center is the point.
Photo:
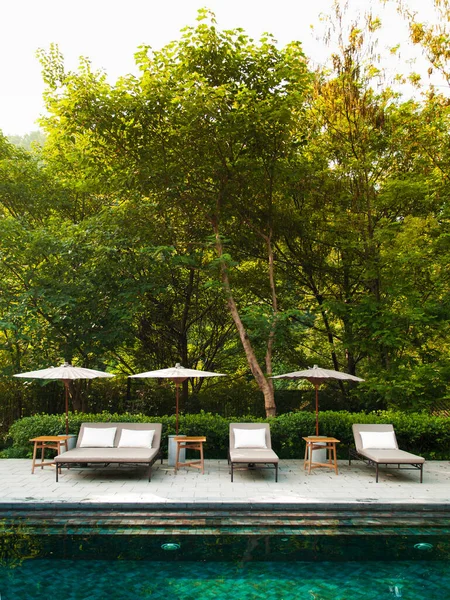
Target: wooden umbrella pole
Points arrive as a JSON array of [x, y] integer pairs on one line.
[[317, 408], [176, 422], [66, 385]]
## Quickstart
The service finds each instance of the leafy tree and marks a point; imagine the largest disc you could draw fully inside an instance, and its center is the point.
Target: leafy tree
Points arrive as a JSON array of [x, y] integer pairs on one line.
[[29, 140], [224, 200], [206, 132], [370, 195]]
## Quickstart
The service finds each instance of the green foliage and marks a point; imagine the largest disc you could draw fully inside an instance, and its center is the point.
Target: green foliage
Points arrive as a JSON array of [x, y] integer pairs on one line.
[[17, 545], [109, 232], [419, 433], [29, 140]]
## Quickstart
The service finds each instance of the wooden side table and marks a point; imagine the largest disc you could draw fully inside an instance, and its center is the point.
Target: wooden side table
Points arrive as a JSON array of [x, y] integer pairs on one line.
[[190, 443], [314, 442], [47, 441]]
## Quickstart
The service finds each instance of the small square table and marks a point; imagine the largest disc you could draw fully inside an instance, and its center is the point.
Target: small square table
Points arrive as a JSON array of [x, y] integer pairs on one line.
[[191, 443], [47, 441], [317, 442]]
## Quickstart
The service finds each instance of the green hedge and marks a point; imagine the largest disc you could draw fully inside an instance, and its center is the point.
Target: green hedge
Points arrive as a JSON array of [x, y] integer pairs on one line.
[[420, 433]]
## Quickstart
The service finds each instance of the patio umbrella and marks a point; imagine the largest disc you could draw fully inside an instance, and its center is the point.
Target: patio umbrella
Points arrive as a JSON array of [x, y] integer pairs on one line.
[[317, 376], [65, 372], [178, 374]]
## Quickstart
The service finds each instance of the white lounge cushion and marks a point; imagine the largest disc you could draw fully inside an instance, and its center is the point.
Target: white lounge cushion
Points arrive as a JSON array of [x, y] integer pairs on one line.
[[94, 437], [250, 438], [378, 439], [136, 438]]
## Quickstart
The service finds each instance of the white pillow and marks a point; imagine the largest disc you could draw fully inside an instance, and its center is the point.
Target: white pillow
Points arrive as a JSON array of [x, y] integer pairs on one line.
[[249, 438], [94, 437], [381, 440], [136, 438]]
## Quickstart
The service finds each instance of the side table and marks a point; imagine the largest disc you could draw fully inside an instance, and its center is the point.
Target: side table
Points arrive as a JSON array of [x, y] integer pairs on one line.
[[314, 442], [47, 441], [190, 443]]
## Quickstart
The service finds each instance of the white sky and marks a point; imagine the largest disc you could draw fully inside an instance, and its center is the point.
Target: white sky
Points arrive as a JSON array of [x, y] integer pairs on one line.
[[108, 32]]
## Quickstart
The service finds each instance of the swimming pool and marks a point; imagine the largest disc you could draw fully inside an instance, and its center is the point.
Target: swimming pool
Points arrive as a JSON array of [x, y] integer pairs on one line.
[[99, 567], [305, 551]]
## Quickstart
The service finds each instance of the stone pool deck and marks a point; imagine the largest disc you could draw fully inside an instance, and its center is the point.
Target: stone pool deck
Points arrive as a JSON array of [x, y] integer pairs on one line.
[[355, 485], [120, 501]]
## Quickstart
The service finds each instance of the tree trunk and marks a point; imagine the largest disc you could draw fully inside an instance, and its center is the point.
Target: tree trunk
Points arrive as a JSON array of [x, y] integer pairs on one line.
[[271, 338], [183, 337], [264, 384], [319, 298], [75, 396]]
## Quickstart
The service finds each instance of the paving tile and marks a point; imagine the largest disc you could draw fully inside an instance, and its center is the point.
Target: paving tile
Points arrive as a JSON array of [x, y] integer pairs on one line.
[[355, 483]]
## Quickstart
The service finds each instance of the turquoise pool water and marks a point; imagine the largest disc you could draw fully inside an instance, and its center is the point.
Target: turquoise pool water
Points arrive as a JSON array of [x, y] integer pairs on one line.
[[236, 567], [131, 580]]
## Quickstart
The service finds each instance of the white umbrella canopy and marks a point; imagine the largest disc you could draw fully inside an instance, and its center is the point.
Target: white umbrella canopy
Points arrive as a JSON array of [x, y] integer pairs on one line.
[[317, 376], [177, 374], [65, 373]]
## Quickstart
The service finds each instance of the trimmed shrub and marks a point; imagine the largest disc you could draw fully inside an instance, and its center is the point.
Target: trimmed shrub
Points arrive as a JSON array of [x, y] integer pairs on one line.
[[420, 433]]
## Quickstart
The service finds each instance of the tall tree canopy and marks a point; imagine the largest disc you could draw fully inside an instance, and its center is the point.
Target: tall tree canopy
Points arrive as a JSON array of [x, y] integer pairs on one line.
[[232, 210]]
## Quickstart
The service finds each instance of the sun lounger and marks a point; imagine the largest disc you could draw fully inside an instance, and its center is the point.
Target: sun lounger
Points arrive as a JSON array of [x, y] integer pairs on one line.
[[250, 445], [114, 443], [377, 445]]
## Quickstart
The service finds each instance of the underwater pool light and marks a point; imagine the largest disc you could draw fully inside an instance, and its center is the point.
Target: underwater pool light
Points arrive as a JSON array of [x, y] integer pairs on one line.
[[424, 546], [170, 546]]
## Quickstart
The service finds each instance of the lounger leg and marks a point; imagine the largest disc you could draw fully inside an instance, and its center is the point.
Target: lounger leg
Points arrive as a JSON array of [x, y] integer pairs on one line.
[[201, 458], [34, 457], [376, 478], [150, 472], [177, 458], [335, 458], [421, 473], [276, 472], [231, 472], [57, 469]]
